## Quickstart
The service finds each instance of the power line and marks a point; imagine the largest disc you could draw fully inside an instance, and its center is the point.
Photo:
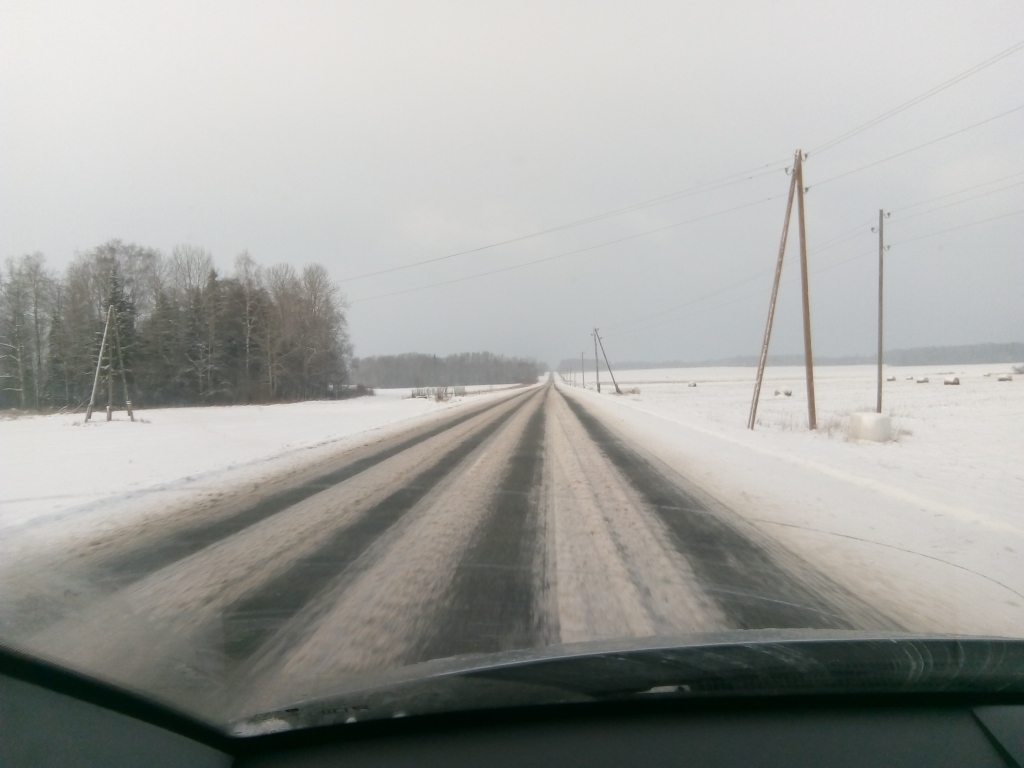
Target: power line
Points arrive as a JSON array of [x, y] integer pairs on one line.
[[919, 146], [726, 181], [736, 299], [958, 202], [850, 234], [957, 192], [624, 326], [918, 99], [705, 297], [567, 253], [962, 226], [756, 172]]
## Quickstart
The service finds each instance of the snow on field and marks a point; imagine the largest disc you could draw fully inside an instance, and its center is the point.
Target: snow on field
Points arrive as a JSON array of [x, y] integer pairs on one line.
[[53, 465], [936, 517]]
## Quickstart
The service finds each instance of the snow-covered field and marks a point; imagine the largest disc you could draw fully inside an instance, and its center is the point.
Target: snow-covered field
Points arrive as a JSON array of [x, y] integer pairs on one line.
[[51, 466], [942, 507]]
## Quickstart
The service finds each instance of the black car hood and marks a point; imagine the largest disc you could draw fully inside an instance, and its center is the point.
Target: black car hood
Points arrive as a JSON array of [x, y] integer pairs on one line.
[[734, 663]]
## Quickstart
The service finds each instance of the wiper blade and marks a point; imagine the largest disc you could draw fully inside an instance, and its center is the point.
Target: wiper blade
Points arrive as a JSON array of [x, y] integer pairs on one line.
[[752, 663]]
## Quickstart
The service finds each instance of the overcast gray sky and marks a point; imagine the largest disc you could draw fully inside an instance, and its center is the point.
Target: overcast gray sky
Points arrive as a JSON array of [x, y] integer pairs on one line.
[[370, 135]]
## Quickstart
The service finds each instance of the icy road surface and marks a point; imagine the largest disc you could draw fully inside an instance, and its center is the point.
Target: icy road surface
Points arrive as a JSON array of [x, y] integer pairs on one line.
[[522, 519]]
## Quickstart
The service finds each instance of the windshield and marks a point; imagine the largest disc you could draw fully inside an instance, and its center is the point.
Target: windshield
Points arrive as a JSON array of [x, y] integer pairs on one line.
[[346, 345]]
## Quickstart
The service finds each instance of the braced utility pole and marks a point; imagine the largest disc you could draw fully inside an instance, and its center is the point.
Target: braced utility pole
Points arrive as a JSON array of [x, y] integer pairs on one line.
[[812, 420], [771, 305], [115, 344], [610, 372], [597, 366], [583, 372], [99, 363]]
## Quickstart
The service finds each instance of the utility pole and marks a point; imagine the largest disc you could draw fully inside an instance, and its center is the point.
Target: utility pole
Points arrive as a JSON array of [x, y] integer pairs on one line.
[[610, 372], [110, 384], [597, 366], [124, 378], [771, 305], [99, 363], [115, 344], [881, 250], [583, 372], [812, 421]]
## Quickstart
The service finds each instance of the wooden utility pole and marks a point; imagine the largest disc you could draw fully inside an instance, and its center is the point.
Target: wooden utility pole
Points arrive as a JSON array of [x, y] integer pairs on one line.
[[812, 421], [610, 372], [881, 251], [124, 378], [110, 385], [597, 366], [583, 372], [771, 305], [99, 363], [116, 343]]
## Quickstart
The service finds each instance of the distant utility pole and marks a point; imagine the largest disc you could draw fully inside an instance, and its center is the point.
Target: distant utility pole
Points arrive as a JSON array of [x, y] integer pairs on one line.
[[583, 372], [882, 215], [796, 189], [597, 367], [610, 371]]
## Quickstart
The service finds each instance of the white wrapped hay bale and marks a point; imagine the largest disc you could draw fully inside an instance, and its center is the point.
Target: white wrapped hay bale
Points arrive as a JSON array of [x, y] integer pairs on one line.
[[923, 380], [951, 381], [875, 427], [1005, 377]]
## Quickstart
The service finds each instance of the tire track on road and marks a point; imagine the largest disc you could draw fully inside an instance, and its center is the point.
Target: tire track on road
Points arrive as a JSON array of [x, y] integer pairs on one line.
[[752, 590], [250, 622], [169, 631], [492, 604], [387, 608], [134, 563], [614, 571]]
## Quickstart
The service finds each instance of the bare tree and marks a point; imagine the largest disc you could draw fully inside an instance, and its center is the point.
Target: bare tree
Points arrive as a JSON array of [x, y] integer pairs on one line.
[[249, 276], [13, 324], [39, 284]]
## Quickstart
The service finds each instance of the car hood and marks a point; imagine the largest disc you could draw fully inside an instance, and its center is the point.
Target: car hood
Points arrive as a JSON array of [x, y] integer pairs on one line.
[[712, 665]]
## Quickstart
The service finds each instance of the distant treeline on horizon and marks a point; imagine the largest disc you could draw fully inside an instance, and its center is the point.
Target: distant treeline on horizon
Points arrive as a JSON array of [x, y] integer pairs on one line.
[[415, 369], [966, 354]]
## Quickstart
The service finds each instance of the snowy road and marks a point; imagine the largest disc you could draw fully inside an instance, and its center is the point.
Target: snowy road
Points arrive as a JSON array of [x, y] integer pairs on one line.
[[519, 522]]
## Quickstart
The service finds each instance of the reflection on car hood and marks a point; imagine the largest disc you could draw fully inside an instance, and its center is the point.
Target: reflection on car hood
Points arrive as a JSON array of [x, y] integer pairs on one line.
[[762, 662]]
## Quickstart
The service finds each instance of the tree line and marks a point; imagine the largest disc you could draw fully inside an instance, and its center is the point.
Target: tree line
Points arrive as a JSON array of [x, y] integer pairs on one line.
[[420, 370], [189, 335]]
